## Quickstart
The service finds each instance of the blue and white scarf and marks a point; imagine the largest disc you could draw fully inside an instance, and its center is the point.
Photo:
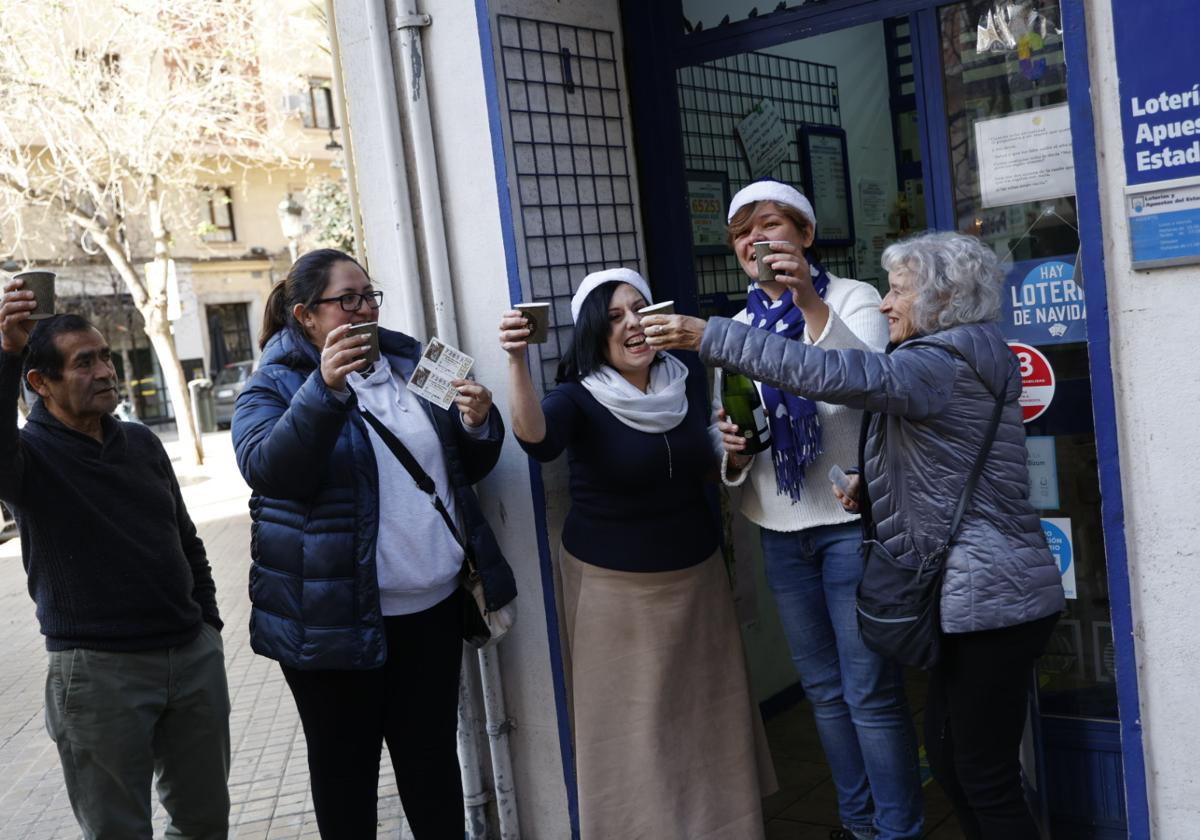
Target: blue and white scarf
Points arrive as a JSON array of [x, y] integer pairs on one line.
[[795, 429]]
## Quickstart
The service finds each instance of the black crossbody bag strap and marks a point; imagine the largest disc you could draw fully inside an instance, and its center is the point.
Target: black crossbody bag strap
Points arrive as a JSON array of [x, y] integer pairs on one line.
[[977, 467], [968, 489], [984, 449], [424, 482]]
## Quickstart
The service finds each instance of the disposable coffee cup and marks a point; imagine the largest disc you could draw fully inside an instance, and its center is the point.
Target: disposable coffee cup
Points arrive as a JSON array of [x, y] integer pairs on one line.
[[667, 307], [538, 316], [41, 283], [369, 328], [766, 274]]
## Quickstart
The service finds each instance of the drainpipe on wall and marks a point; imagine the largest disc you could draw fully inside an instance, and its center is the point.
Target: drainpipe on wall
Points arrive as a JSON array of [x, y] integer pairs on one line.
[[397, 74], [409, 316], [414, 103], [498, 727], [475, 793], [412, 94]]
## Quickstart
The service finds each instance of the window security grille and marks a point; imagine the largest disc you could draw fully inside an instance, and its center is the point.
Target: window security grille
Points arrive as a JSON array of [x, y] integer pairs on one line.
[[713, 98], [570, 172]]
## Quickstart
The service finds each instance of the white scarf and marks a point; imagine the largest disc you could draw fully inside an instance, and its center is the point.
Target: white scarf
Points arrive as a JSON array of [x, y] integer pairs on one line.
[[661, 408]]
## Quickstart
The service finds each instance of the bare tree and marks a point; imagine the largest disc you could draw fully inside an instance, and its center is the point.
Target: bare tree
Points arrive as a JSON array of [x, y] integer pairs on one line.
[[327, 203], [113, 115]]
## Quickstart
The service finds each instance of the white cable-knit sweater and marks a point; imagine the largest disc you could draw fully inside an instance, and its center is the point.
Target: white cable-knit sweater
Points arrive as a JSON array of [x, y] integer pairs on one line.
[[855, 322]]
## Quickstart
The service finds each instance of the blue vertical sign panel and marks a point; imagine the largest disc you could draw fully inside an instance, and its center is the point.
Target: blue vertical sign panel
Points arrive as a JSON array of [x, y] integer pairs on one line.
[[1160, 88]]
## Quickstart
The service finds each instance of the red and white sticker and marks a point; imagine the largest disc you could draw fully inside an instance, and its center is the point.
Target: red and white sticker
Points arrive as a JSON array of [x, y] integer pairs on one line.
[[1037, 380]]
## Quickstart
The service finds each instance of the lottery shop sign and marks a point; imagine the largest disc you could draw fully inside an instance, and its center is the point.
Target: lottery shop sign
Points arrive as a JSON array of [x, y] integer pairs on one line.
[[1037, 380], [1159, 87], [1043, 304]]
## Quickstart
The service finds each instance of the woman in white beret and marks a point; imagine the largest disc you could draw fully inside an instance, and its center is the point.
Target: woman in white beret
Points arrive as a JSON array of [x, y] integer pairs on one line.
[[811, 545], [668, 740]]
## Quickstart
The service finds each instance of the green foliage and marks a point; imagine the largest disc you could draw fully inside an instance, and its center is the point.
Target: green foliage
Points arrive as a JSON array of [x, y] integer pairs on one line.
[[328, 207]]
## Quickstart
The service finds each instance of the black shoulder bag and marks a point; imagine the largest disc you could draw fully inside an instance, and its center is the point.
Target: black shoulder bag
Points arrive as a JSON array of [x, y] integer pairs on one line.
[[899, 605], [481, 626]]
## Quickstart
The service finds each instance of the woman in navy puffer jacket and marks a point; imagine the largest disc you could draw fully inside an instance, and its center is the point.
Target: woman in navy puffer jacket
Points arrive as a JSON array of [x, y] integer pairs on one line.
[[354, 583], [931, 398]]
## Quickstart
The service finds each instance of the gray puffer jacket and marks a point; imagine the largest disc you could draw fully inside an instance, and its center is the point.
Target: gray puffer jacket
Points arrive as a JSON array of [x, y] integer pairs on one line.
[[931, 408]]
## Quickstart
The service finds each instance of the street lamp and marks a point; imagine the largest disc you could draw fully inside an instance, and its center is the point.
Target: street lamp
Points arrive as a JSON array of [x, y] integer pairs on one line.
[[291, 221]]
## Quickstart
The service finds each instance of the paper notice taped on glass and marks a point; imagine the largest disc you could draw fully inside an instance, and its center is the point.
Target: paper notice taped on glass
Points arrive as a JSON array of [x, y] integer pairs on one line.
[[1025, 156], [764, 139], [873, 201]]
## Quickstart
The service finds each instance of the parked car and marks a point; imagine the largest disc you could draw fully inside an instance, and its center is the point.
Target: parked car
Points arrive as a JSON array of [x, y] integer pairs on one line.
[[228, 384]]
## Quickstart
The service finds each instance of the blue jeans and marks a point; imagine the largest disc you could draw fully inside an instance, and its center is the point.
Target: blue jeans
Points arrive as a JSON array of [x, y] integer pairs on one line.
[[857, 696]]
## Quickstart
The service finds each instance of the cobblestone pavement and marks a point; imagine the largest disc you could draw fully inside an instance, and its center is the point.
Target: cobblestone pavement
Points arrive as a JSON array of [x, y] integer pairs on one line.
[[268, 782]]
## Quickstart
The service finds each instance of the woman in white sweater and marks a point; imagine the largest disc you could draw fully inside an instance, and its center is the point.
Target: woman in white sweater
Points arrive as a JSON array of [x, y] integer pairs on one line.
[[811, 545]]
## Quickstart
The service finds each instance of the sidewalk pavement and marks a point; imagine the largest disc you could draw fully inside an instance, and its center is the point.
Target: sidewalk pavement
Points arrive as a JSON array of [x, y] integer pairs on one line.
[[268, 780]]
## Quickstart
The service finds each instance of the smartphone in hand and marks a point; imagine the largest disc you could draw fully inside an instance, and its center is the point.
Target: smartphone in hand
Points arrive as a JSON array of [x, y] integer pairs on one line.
[[838, 476]]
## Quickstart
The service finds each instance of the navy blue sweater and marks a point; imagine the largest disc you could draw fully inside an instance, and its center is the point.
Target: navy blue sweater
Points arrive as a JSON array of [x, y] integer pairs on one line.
[[113, 559], [637, 499]]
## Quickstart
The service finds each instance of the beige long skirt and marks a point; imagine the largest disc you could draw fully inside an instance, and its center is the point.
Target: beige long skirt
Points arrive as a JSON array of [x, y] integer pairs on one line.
[[668, 740]]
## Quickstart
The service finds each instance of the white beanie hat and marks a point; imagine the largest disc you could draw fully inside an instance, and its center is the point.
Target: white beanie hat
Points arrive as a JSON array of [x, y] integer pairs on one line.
[[611, 275], [775, 191]]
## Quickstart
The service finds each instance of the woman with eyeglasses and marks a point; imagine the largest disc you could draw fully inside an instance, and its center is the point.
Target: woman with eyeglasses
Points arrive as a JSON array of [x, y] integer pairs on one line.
[[354, 582]]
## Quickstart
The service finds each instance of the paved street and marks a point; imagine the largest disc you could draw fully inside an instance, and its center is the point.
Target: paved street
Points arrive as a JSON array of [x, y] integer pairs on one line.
[[269, 777]]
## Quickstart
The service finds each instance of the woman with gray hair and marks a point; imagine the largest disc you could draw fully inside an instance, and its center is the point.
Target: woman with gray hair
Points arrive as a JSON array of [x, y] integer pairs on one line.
[[928, 403]]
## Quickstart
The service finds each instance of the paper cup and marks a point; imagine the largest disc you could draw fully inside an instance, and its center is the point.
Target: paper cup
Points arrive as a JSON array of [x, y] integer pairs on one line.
[[370, 328], [41, 283], [766, 274], [667, 307], [538, 316]]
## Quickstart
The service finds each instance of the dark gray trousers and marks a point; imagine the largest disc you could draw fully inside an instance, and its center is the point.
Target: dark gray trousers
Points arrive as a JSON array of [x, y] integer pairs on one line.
[[122, 720]]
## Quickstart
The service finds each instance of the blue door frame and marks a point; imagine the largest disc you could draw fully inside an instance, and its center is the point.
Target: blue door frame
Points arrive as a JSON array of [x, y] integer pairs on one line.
[[656, 47], [1112, 506]]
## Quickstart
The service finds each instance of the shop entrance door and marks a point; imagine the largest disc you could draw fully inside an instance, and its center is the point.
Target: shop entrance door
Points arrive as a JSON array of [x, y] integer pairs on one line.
[[843, 107], [1004, 94], [842, 111], [893, 117]]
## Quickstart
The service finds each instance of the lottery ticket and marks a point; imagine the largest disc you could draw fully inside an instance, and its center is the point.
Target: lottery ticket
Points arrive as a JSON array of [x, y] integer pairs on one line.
[[439, 364]]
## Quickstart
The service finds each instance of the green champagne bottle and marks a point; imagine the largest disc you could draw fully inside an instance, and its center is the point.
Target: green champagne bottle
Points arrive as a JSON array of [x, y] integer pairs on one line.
[[744, 407]]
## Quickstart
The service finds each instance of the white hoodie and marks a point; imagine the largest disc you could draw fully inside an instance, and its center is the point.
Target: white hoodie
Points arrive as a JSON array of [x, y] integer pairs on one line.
[[417, 560]]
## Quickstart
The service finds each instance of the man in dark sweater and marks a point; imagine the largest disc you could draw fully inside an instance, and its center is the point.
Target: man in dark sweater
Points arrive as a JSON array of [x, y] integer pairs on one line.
[[125, 597]]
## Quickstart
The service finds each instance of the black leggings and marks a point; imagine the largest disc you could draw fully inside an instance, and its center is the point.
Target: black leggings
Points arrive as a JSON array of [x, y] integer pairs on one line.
[[974, 719], [412, 702]]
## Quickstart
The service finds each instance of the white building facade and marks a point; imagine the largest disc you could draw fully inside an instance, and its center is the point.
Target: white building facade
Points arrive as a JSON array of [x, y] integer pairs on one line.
[[505, 148]]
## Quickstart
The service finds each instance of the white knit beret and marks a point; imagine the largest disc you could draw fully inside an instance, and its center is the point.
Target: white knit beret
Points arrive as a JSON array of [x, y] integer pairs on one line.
[[776, 191], [598, 278]]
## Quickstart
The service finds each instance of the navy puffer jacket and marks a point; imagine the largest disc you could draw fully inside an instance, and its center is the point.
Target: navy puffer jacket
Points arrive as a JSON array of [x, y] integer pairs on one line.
[[315, 505], [932, 399]]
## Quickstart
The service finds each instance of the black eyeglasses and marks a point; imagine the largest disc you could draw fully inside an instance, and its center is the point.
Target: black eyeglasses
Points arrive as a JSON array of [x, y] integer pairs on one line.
[[352, 301]]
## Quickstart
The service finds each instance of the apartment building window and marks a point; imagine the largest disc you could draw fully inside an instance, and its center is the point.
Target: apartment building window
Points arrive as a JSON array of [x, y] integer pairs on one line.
[[318, 105], [217, 216], [229, 336]]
